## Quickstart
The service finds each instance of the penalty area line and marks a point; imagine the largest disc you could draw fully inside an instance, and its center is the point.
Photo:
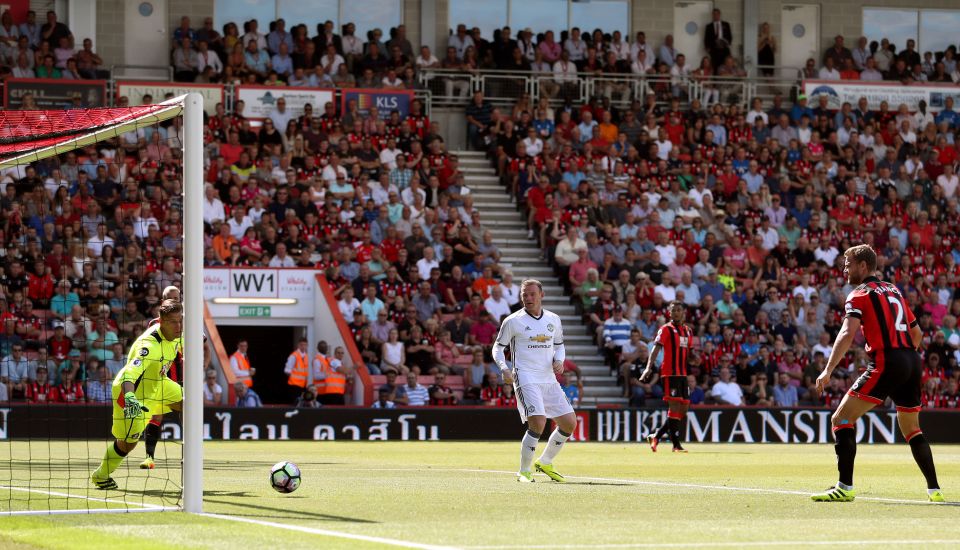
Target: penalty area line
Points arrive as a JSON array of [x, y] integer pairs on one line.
[[329, 533]]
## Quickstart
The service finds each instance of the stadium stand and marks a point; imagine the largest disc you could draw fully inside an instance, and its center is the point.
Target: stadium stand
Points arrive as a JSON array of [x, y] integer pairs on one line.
[[740, 211]]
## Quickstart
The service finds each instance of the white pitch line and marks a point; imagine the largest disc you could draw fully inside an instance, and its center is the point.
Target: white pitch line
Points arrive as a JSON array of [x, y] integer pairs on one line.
[[648, 482], [713, 544], [143, 506], [329, 533]]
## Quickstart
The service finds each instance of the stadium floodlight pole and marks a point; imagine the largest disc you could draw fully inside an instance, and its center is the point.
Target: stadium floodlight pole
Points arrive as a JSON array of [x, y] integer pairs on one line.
[[193, 303]]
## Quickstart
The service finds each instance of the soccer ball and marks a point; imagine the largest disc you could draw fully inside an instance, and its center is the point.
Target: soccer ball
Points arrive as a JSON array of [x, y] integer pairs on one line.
[[285, 477]]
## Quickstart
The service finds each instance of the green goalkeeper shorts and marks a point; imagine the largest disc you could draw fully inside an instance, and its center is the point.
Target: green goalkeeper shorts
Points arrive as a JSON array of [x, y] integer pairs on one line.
[[166, 393]]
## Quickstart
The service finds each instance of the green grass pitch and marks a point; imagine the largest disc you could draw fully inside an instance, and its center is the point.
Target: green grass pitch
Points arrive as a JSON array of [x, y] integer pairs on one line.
[[464, 495]]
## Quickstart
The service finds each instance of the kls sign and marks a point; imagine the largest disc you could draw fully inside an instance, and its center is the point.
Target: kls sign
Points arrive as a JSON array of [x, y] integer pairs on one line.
[[291, 284]]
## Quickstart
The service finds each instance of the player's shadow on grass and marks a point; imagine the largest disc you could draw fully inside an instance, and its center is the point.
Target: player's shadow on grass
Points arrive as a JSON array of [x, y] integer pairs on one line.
[[918, 503], [285, 512], [243, 465]]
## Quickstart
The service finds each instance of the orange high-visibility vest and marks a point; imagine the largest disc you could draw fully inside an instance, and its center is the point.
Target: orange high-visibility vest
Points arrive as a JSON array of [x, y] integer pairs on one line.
[[243, 364], [333, 382], [298, 376]]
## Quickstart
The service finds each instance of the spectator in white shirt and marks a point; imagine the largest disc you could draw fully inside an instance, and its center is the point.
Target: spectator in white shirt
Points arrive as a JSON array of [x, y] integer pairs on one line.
[[948, 181], [805, 290], [347, 303], [640, 43], [212, 205], [254, 34], [496, 305], [281, 259], [331, 60], [427, 263], [565, 70], [239, 222], [534, 145], [426, 60], [280, 115], [828, 71], [726, 392], [207, 58], [756, 111], [388, 157]]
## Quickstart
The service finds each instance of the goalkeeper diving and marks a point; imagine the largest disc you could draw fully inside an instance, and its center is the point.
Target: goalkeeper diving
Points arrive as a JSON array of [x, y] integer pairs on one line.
[[142, 381]]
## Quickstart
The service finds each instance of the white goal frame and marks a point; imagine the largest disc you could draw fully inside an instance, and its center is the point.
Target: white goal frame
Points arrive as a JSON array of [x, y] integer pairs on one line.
[[191, 107]]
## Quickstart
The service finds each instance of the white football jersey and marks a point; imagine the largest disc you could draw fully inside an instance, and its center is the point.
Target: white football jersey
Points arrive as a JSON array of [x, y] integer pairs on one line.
[[535, 343]]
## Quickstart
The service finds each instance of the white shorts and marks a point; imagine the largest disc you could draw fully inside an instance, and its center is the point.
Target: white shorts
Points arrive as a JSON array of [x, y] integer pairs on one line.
[[542, 399]]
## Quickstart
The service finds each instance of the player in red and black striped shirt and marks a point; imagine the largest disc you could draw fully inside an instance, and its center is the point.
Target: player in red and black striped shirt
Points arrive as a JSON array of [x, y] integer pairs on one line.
[[893, 337], [674, 339]]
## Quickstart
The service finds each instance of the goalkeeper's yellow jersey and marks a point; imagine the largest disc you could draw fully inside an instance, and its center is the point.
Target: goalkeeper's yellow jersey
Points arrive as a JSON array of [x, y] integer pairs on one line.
[[148, 361]]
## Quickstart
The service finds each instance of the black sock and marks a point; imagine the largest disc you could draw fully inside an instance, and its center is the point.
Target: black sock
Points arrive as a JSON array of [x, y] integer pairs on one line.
[[150, 436], [674, 424], [924, 457], [663, 429], [116, 449], [846, 448]]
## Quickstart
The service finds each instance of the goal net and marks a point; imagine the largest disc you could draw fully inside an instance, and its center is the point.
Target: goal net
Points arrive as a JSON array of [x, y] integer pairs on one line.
[[100, 212]]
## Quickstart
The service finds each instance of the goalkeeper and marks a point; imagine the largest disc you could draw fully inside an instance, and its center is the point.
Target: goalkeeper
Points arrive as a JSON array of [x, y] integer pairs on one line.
[[143, 380], [151, 432]]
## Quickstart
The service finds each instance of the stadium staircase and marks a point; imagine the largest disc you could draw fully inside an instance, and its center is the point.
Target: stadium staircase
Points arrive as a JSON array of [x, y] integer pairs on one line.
[[522, 256]]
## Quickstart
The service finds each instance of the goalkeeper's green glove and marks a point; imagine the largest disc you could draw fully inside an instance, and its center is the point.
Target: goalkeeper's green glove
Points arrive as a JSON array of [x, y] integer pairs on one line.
[[132, 407]]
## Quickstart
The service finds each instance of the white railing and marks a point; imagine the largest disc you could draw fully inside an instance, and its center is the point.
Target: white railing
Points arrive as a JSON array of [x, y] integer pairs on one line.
[[454, 88]]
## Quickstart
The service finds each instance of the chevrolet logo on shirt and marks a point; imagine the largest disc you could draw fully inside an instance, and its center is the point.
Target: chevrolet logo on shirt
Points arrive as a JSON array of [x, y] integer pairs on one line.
[[540, 338]]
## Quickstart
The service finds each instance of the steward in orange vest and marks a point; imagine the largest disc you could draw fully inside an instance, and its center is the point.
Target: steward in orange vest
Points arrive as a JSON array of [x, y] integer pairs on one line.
[[331, 383], [297, 369], [240, 364]]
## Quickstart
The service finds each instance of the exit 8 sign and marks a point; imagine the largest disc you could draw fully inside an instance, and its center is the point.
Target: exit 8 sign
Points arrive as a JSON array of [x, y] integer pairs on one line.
[[254, 311]]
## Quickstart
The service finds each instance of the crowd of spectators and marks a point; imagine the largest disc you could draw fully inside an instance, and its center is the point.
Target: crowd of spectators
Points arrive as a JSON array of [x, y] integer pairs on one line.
[[31, 49], [743, 215]]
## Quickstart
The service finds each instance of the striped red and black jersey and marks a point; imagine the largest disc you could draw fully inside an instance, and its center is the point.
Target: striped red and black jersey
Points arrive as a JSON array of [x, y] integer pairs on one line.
[[676, 345], [885, 317]]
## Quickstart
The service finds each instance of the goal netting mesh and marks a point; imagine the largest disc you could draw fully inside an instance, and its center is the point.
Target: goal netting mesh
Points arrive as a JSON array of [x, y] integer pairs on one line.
[[91, 233]]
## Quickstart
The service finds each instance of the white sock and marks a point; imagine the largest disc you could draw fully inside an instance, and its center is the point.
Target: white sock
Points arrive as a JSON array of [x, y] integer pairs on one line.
[[844, 486], [931, 491], [528, 447], [554, 444]]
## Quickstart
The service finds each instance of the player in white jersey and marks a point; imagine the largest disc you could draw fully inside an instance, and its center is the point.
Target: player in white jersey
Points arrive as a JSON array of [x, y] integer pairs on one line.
[[535, 338]]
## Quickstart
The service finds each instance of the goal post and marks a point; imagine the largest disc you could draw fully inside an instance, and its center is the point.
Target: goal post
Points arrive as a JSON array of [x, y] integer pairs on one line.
[[79, 436], [193, 304]]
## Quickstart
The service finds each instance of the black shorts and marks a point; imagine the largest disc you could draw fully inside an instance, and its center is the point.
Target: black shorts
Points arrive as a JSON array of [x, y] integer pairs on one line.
[[896, 374], [675, 388]]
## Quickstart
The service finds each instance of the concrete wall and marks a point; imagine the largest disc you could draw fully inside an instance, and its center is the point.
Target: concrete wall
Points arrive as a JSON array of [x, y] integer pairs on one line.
[[654, 17]]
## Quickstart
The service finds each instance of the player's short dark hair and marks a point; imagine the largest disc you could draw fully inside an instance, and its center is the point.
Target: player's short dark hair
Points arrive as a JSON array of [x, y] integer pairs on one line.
[[677, 303], [528, 282], [863, 253], [170, 307]]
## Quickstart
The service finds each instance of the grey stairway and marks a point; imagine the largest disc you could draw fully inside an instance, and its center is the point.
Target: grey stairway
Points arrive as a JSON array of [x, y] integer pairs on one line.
[[522, 256]]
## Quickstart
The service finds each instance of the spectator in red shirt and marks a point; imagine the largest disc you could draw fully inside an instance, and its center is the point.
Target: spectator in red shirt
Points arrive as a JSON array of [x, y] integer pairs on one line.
[[41, 391], [70, 390], [440, 393]]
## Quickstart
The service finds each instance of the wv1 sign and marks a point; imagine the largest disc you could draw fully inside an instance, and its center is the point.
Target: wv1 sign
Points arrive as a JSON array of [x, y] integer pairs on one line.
[[296, 284], [385, 102]]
